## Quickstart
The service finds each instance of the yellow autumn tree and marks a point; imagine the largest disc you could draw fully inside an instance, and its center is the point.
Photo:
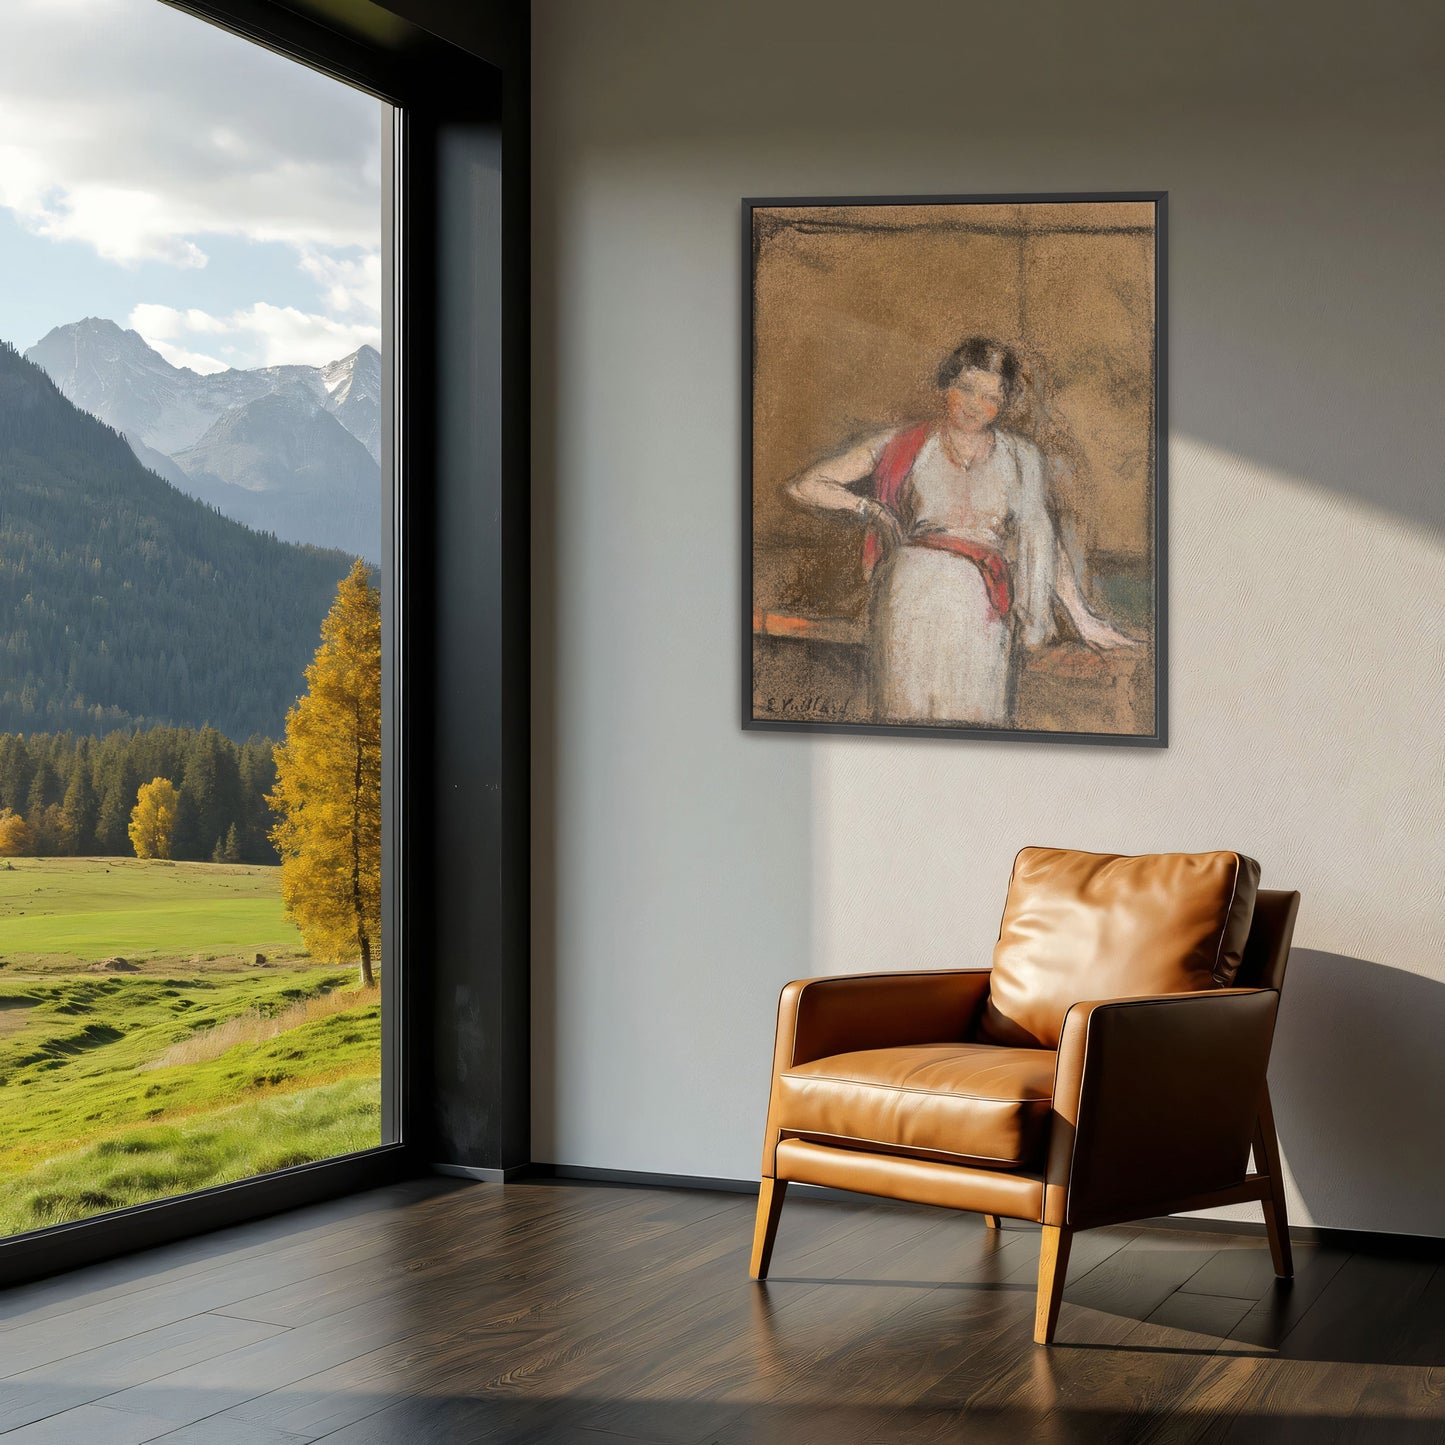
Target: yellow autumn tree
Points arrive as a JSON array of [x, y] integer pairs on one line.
[[327, 797], [153, 819], [14, 834]]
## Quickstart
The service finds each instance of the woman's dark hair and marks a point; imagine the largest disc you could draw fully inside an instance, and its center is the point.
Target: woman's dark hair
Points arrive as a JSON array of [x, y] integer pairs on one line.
[[981, 353]]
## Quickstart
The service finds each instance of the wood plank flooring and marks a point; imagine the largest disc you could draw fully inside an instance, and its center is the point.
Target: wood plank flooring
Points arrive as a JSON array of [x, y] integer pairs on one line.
[[439, 1311]]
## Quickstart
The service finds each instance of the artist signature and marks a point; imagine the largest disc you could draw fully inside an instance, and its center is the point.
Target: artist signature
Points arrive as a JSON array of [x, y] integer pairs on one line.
[[814, 705]]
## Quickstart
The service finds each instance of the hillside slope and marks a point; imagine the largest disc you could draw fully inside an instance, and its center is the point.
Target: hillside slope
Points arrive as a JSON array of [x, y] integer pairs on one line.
[[124, 602], [233, 438]]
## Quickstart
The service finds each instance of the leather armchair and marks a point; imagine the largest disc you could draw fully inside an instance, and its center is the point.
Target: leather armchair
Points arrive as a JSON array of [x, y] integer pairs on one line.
[[1105, 1110]]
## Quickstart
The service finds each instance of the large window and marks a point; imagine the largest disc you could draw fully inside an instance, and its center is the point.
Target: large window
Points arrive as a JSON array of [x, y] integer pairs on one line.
[[194, 478]]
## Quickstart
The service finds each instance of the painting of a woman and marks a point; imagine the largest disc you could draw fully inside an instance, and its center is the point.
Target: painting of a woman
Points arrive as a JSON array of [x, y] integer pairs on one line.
[[954, 473], [966, 566]]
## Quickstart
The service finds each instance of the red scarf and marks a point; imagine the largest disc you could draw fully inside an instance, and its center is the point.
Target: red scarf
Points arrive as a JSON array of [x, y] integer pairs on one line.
[[889, 477]]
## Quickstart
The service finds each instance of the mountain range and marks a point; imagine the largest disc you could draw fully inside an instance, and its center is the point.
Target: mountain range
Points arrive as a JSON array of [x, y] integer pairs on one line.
[[125, 602], [292, 450]]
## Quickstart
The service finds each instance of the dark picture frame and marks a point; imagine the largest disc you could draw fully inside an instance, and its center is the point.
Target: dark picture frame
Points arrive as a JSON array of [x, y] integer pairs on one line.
[[836, 295]]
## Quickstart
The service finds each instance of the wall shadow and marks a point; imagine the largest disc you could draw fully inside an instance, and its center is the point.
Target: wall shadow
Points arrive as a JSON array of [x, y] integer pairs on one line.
[[1358, 1082]]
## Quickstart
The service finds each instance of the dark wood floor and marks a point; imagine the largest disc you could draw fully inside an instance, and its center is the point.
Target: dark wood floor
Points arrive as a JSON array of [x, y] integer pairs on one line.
[[441, 1312]]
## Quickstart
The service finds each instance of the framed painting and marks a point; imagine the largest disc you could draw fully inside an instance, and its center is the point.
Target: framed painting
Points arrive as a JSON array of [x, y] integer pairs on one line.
[[954, 493]]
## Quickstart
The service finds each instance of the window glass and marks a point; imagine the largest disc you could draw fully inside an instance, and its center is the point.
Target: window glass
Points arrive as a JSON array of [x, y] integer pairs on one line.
[[191, 557]]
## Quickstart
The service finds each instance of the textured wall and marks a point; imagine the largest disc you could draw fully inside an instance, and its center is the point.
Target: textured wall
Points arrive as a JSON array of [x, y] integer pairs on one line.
[[683, 869]]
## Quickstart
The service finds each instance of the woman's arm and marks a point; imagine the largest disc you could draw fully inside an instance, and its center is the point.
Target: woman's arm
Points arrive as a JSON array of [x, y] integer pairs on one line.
[[1089, 625], [1046, 569], [827, 486]]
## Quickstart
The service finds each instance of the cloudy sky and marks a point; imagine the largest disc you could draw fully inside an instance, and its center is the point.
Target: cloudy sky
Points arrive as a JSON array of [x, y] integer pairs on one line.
[[222, 201]]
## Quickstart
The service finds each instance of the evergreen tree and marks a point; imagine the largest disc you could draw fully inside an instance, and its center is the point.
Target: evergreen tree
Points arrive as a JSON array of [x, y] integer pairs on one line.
[[187, 839], [257, 765], [212, 779], [95, 780], [231, 849], [15, 770], [327, 796], [45, 786], [80, 810], [122, 776], [47, 831]]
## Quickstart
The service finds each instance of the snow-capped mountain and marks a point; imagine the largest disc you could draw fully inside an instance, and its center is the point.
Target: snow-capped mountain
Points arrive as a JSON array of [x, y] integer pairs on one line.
[[283, 464], [276, 468], [353, 386], [115, 376]]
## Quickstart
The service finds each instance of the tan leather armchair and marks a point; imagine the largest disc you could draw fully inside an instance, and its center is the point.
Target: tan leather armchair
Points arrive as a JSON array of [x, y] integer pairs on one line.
[[1110, 1066]]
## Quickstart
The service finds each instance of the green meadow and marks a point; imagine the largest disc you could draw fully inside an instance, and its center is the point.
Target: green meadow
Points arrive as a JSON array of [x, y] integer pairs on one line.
[[162, 1030], [71, 911]]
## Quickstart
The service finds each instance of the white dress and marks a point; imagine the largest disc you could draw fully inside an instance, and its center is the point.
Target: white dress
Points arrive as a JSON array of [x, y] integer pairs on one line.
[[941, 652]]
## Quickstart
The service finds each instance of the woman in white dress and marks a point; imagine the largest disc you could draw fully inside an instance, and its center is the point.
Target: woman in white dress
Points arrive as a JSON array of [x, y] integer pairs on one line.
[[969, 566]]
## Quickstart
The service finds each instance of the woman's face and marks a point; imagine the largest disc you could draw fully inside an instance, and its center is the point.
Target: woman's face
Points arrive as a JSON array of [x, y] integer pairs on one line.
[[974, 399]]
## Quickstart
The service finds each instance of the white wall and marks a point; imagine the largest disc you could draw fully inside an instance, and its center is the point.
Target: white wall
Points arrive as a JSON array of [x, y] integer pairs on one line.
[[685, 869]]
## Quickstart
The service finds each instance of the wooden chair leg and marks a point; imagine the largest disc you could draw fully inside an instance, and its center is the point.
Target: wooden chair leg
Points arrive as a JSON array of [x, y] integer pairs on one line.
[[1053, 1266], [765, 1230], [991, 1221], [1266, 1160]]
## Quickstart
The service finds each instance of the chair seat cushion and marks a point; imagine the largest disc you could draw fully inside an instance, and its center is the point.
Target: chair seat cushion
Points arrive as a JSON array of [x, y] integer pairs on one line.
[[964, 1103]]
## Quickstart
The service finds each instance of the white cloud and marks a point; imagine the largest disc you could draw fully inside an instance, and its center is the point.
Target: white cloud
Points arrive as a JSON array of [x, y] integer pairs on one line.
[[348, 284], [257, 335], [142, 131], [168, 322], [291, 335], [165, 327], [122, 225], [194, 360], [151, 137]]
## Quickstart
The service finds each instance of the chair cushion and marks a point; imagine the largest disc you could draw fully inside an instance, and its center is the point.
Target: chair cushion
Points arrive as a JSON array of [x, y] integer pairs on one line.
[[966, 1103], [1082, 926]]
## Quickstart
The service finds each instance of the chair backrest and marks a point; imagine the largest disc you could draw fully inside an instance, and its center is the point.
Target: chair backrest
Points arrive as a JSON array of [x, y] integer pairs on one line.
[[1080, 925], [1266, 950]]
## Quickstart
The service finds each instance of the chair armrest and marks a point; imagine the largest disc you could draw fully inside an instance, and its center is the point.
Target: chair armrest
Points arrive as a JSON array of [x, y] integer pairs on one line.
[[819, 1017], [1155, 1101]]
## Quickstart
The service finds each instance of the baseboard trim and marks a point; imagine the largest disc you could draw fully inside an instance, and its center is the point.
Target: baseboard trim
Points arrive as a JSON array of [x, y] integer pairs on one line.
[[484, 1176], [640, 1179], [1363, 1241], [1360, 1241]]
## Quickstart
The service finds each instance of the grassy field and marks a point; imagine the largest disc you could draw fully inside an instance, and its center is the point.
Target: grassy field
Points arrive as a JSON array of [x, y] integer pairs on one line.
[[78, 910], [195, 1066]]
